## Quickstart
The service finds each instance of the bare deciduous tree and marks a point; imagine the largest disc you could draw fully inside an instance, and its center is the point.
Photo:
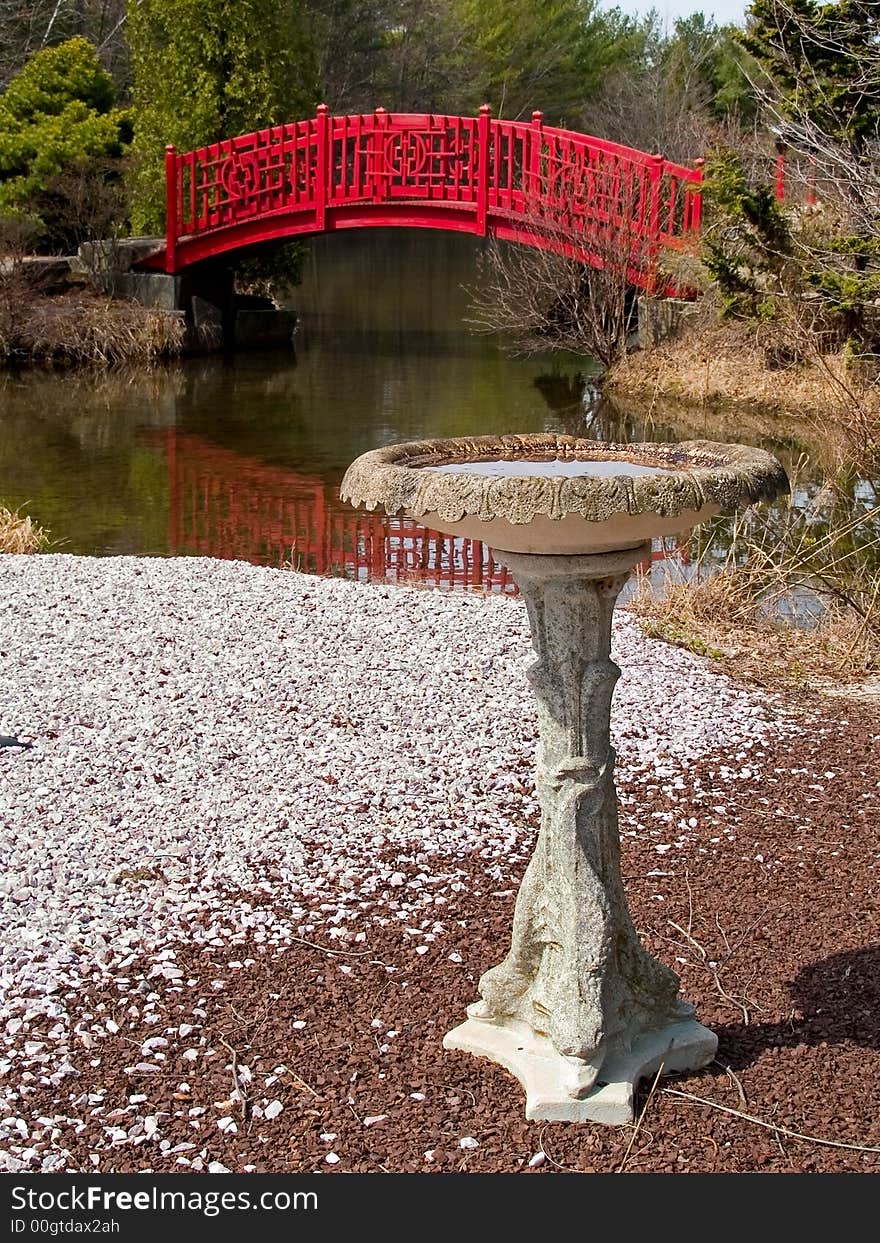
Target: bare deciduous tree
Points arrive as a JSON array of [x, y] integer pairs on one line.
[[552, 294], [540, 300], [28, 25]]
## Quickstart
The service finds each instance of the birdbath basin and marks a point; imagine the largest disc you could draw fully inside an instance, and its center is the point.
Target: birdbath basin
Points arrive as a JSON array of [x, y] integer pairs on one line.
[[579, 1010]]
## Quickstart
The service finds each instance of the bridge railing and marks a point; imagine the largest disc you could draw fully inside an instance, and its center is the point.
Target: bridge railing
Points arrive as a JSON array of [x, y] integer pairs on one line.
[[519, 180]]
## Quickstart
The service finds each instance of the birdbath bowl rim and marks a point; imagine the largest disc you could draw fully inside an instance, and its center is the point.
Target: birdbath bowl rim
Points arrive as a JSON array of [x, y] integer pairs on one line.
[[559, 509]]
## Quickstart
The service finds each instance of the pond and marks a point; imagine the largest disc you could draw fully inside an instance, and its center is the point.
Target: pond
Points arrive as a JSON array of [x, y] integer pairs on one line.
[[242, 457]]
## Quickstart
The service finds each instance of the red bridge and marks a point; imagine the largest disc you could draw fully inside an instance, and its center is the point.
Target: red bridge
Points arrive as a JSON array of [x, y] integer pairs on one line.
[[519, 181]]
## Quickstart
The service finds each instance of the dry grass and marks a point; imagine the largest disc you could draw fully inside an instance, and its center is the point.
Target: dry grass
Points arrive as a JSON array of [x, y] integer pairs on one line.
[[714, 362], [829, 545], [734, 612], [95, 331], [19, 533], [89, 329], [715, 617]]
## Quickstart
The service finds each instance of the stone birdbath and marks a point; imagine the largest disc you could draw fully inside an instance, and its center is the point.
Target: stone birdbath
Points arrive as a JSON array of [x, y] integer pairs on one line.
[[578, 1011]]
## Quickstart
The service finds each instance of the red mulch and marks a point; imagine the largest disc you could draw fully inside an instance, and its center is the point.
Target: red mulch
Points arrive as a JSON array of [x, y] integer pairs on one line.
[[777, 943]]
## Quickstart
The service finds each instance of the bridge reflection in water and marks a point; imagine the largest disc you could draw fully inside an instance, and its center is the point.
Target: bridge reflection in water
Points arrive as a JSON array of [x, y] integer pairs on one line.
[[228, 505]]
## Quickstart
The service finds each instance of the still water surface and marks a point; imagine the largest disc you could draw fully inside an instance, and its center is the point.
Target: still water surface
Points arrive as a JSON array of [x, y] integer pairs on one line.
[[243, 457]]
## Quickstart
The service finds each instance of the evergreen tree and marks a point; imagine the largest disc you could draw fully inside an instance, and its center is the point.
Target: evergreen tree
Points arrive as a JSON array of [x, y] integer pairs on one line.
[[56, 118], [821, 90], [544, 54], [349, 37], [204, 72]]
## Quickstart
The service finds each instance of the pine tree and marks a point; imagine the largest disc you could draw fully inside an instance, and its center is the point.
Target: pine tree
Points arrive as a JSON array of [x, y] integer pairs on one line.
[[57, 119], [544, 54]]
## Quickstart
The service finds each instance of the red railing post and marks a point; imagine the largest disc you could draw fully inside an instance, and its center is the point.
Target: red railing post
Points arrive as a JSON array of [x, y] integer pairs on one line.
[[781, 149], [483, 139], [378, 172], [697, 197], [811, 181], [537, 141], [171, 209], [655, 172], [322, 166]]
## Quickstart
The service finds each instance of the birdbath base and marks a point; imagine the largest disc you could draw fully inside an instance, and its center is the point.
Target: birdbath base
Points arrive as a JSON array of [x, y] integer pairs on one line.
[[546, 1074], [579, 1010]]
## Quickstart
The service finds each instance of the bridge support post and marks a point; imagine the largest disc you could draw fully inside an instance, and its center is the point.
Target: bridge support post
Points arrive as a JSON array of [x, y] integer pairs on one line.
[[696, 198], [781, 152], [656, 178], [483, 141], [377, 171]]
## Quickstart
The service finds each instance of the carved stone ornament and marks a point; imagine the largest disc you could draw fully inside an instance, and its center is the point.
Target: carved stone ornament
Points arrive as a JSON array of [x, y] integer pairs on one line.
[[686, 476], [578, 1010]]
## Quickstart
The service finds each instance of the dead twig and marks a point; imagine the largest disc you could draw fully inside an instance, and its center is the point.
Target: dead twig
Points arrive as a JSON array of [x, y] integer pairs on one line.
[[301, 1083], [687, 881], [335, 953], [238, 1092], [770, 1126], [542, 1147], [711, 968], [735, 1079], [722, 933], [641, 1118]]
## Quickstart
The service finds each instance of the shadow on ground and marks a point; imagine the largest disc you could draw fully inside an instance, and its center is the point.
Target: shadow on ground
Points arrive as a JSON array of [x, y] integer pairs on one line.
[[835, 1000]]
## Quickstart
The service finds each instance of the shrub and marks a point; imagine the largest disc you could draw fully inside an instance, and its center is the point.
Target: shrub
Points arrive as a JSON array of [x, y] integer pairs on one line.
[[56, 120]]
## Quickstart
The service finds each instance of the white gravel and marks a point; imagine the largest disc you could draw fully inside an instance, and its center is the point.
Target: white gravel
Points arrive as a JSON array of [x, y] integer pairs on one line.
[[324, 750]]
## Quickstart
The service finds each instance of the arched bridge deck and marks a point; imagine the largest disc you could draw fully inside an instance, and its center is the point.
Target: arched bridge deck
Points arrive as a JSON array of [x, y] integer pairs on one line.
[[519, 181]]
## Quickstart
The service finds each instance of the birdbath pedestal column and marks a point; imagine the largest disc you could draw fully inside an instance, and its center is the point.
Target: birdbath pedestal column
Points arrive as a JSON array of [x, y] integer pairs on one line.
[[578, 1010]]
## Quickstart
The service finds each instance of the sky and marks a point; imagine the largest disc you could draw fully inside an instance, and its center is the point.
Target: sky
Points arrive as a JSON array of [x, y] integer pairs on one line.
[[723, 11]]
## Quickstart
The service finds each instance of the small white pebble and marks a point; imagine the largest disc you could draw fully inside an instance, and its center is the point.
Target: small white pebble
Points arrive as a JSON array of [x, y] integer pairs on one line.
[[468, 1141], [331, 1158]]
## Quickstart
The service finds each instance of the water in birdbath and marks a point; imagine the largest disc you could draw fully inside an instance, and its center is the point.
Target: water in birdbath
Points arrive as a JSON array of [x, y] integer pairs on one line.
[[555, 468]]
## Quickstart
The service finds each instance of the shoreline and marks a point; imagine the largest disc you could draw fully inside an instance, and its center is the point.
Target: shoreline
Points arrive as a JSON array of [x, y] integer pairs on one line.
[[85, 329], [723, 367]]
